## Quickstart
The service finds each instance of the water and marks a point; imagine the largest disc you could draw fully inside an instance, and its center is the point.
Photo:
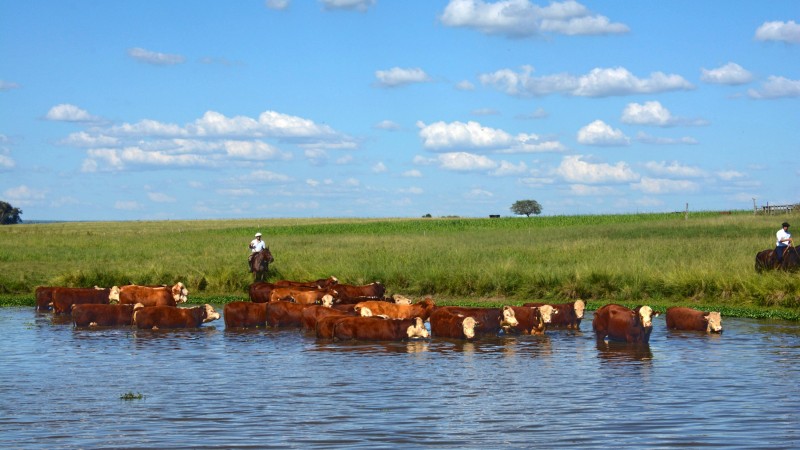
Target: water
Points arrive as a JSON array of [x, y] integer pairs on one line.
[[209, 388]]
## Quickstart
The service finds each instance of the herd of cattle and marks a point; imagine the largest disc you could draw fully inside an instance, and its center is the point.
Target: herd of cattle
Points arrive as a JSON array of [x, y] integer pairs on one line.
[[332, 310]]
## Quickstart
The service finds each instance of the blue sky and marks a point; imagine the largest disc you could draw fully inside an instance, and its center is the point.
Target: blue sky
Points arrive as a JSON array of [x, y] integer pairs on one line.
[[140, 110]]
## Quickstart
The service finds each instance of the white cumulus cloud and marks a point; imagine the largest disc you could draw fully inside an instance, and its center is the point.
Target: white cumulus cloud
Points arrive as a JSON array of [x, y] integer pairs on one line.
[[155, 58], [356, 5], [465, 162], [730, 74], [600, 133], [776, 87], [779, 31], [69, 113], [397, 76], [575, 169], [664, 186]]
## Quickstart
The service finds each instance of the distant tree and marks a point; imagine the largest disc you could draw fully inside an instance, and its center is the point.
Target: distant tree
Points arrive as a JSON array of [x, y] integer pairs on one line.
[[526, 207], [8, 214], [427, 216]]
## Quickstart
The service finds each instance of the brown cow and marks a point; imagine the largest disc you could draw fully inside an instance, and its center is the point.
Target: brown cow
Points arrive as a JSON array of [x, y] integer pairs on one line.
[[566, 315], [422, 309], [64, 298], [326, 321], [305, 296], [157, 317], [284, 314], [447, 324], [490, 320], [314, 313], [245, 314], [679, 318], [99, 315], [44, 298], [322, 283], [348, 293], [378, 329], [260, 291], [619, 323], [150, 295], [532, 319]]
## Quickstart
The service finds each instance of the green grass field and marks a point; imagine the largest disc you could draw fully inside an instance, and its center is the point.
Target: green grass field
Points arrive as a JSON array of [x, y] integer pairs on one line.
[[706, 260]]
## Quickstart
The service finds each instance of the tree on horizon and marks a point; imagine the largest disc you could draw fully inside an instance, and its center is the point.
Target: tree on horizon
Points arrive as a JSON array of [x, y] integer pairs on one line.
[[8, 214], [526, 207]]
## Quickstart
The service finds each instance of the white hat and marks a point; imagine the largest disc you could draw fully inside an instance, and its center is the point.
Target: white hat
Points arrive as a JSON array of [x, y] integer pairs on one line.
[[258, 234]]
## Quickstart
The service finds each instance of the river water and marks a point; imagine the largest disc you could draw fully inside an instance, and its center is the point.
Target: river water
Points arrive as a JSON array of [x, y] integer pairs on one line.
[[210, 388]]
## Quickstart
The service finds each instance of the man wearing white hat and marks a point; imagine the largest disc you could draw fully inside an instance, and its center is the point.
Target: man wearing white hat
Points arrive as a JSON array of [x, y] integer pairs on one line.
[[256, 245]]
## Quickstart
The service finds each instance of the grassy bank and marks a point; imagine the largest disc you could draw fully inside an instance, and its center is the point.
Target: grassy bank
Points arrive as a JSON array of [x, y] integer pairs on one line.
[[659, 259]]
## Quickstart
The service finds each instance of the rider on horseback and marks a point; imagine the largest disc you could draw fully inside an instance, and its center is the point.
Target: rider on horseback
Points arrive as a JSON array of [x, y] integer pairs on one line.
[[784, 240], [256, 245]]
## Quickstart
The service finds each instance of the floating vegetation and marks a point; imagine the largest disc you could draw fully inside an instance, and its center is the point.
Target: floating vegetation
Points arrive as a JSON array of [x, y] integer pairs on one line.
[[131, 396]]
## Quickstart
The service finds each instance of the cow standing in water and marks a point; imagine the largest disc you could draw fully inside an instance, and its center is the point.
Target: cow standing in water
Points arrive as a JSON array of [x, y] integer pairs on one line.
[[619, 323], [680, 318]]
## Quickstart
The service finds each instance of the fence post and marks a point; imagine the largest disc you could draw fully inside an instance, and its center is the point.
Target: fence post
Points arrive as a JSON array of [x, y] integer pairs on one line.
[[686, 214]]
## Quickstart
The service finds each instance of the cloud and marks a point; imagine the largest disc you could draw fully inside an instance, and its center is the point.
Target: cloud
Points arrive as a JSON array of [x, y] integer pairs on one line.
[[155, 58], [278, 5], [655, 114], [465, 86], [576, 170], [387, 125], [776, 87], [8, 85], [266, 176], [69, 113], [244, 192], [673, 169], [599, 82], [465, 162], [664, 186], [521, 18], [397, 76], [509, 169], [600, 133], [645, 138], [584, 190], [540, 113], [128, 205], [788, 32], [252, 150], [160, 197], [412, 190], [23, 195], [413, 173], [474, 136], [730, 74], [729, 175], [478, 193], [380, 168], [6, 162], [350, 5]]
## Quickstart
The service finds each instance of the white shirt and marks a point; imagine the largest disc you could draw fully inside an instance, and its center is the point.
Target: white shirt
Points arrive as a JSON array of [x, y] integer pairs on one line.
[[256, 245], [780, 235]]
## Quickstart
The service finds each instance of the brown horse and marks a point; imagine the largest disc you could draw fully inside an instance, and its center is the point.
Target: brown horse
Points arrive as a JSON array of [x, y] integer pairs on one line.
[[259, 264], [766, 259]]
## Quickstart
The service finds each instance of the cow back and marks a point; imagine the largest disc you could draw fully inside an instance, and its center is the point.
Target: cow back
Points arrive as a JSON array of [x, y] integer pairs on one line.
[[102, 315], [169, 317], [64, 298], [245, 314]]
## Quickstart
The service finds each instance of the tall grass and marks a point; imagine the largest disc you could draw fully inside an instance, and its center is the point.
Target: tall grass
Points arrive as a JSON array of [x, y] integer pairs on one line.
[[708, 258]]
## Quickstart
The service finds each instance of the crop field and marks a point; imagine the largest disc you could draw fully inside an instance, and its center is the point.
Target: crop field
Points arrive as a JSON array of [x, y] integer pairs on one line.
[[705, 259]]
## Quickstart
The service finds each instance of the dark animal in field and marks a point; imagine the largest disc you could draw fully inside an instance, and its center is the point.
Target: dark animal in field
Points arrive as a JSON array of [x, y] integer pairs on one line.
[[44, 298], [260, 291], [322, 283], [164, 317], [101, 315], [448, 324], [489, 320], [150, 295], [680, 318], [348, 293], [619, 323], [565, 315], [767, 260], [532, 319], [303, 295], [64, 298], [244, 315], [378, 329], [422, 309], [259, 264]]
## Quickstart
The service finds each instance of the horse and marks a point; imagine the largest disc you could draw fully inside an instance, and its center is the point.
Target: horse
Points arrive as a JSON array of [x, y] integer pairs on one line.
[[766, 259], [259, 264]]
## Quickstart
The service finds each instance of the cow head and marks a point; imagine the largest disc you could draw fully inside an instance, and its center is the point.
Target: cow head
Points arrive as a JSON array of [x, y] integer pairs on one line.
[[714, 320], [580, 307], [210, 314], [509, 319], [401, 299], [646, 315], [180, 293], [113, 294], [364, 311], [547, 312], [468, 325], [327, 300], [418, 329]]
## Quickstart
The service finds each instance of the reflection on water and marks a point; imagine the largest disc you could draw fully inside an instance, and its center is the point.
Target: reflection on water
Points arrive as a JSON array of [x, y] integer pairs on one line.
[[264, 388]]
